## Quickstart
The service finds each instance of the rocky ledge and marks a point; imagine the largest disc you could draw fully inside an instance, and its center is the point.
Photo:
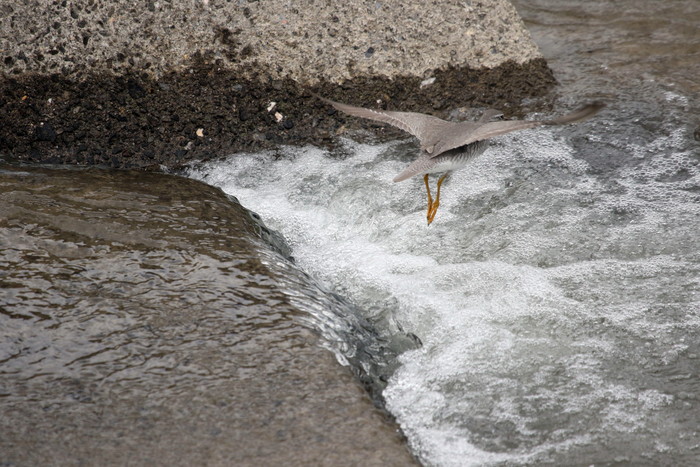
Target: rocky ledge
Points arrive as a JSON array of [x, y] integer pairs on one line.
[[159, 84]]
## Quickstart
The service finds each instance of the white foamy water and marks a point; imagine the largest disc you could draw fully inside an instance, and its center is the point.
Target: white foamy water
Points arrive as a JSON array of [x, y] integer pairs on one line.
[[558, 309]]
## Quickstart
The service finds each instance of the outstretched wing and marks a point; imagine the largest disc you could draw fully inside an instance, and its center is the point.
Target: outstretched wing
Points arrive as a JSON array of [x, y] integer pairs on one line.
[[424, 127], [437, 136], [468, 132]]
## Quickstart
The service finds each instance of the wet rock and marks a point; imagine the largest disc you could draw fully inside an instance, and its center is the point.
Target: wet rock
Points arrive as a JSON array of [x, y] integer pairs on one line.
[[135, 89], [101, 113], [45, 132]]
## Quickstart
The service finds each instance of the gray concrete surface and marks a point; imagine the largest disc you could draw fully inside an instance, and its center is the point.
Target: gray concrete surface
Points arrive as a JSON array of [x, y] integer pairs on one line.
[[307, 41]]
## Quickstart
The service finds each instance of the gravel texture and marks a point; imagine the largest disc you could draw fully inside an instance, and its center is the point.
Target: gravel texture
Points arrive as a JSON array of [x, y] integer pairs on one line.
[[137, 121]]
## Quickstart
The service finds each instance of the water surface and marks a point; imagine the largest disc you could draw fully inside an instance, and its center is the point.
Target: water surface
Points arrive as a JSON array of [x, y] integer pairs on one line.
[[150, 319]]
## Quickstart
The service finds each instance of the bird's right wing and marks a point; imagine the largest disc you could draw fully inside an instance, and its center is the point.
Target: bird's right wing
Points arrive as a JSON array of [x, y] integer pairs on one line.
[[422, 126]]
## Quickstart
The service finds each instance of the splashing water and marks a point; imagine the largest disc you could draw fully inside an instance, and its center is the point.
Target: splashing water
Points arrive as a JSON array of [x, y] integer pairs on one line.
[[557, 306]]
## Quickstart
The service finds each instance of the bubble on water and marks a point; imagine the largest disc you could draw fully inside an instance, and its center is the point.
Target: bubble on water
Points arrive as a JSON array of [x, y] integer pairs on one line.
[[676, 98]]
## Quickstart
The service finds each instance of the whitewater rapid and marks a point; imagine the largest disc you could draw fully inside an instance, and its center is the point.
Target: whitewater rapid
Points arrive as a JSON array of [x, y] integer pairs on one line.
[[552, 302]]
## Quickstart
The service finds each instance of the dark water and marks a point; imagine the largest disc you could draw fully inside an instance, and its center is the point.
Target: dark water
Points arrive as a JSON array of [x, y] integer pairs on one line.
[[618, 48], [99, 272]]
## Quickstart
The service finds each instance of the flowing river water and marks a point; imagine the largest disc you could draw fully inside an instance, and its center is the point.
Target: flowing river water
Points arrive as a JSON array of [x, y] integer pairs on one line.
[[549, 315], [557, 294], [149, 319]]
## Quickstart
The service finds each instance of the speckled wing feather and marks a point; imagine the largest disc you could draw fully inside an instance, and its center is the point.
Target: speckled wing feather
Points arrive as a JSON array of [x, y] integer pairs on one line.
[[468, 132], [424, 127]]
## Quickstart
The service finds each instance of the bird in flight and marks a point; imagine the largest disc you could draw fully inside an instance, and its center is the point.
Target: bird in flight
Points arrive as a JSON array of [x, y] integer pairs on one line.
[[447, 146]]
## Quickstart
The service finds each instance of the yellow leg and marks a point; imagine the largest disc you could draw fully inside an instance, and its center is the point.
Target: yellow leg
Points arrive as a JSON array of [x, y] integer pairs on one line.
[[434, 205], [430, 198], [440, 180]]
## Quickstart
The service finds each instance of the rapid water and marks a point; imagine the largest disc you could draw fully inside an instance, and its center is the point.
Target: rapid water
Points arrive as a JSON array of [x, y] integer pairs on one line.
[[557, 293], [556, 311]]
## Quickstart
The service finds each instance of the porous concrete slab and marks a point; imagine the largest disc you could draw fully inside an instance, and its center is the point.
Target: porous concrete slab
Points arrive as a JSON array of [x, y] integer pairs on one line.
[[308, 41]]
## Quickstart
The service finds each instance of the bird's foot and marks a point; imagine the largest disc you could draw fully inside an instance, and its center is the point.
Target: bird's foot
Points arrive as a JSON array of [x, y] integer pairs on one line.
[[432, 210], [433, 205]]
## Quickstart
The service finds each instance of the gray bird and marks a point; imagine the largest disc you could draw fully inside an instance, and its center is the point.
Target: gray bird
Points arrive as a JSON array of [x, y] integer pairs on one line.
[[447, 146]]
